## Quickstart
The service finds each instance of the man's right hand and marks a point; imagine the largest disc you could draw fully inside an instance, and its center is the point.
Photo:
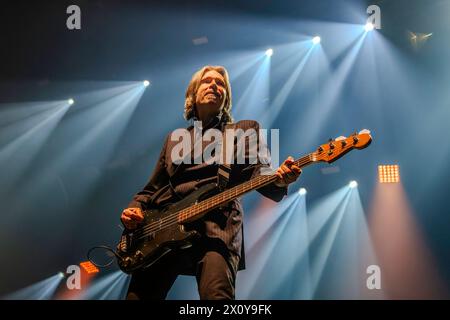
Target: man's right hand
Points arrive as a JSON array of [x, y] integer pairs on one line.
[[131, 217]]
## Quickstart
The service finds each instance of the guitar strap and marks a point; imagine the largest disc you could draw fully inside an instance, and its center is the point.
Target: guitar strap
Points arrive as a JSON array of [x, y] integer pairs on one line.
[[223, 175], [224, 170]]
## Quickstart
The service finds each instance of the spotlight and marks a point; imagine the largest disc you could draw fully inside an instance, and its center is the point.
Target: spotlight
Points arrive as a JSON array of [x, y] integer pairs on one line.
[[146, 83], [302, 191], [418, 39], [61, 274], [353, 184], [369, 26], [70, 102], [316, 40], [388, 173], [269, 52]]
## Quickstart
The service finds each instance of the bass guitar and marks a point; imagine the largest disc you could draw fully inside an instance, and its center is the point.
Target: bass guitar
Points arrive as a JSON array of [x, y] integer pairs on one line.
[[165, 230]]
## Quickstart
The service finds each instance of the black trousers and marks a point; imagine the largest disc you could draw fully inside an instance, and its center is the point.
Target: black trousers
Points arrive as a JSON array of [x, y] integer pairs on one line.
[[214, 270]]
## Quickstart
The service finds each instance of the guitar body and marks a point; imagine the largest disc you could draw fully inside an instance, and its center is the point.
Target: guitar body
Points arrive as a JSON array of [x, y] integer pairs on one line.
[[139, 249]]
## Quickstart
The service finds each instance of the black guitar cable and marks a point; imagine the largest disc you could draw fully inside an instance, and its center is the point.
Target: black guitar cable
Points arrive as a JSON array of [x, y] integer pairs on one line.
[[104, 248]]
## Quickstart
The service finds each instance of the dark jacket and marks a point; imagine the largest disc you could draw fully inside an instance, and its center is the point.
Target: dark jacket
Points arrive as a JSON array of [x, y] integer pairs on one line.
[[170, 182]]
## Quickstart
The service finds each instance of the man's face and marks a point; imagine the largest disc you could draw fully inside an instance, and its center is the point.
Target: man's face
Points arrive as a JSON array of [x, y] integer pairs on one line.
[[211, 93]]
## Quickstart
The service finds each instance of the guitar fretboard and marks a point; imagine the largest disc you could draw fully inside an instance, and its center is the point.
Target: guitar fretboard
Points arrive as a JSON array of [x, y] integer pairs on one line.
[[201, 208]]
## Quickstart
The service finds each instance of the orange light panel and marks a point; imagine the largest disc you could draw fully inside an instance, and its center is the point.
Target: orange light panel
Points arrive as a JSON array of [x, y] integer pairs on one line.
[[89, 267], [388, 173]]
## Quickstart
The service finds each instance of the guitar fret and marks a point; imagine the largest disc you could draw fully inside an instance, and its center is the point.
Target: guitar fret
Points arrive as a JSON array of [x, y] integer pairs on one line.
[[233, 192]]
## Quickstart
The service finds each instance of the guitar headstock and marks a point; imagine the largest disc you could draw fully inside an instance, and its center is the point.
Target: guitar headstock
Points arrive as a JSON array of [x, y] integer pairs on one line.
[[334, 149]]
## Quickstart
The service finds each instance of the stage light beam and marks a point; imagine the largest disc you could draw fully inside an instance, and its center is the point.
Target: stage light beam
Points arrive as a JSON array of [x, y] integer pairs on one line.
[[70, 101], [42, 290], [316, 40], [269, 52], [146, 83], [302, 191]]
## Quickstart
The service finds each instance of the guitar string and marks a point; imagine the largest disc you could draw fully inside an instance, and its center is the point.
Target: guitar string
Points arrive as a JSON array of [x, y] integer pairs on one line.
[[153, 226], [212, 200], [174, 217]]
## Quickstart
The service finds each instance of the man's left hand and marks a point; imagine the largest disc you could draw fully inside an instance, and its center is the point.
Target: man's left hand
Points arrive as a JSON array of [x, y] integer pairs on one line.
[[287, 173]]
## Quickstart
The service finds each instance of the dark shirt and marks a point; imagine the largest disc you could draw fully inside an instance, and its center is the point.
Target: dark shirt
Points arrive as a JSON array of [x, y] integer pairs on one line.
[[171, 182]]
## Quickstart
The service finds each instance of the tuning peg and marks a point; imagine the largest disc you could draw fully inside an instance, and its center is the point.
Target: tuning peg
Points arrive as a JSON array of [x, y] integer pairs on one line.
[[330, 140]]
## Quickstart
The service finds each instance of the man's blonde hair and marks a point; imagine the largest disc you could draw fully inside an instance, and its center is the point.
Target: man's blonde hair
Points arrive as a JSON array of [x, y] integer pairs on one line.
[[189, 103]]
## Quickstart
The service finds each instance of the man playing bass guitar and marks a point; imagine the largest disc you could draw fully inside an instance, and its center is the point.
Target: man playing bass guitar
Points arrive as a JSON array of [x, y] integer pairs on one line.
[[216, 256]]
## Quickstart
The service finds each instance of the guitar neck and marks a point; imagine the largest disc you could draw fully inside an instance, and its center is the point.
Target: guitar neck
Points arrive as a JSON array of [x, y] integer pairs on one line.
[[199, 209]]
